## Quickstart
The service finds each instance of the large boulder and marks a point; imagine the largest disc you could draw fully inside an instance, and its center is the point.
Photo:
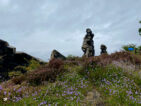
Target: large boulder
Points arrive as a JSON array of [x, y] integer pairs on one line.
[[56, 55], [6, 49], [3, 43]]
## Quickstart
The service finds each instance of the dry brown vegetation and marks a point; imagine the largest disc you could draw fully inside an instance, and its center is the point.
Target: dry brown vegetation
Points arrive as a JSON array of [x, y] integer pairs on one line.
[[47, 72], [50, 71], [122, 56]]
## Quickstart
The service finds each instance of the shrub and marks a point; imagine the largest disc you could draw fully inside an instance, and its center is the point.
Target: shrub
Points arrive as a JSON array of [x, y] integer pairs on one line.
[[33, 64], [56, 63], [101, 60], [71, 57], [21, 69], [19, 79], [48, 72], [126, 57], [125, 47], [138, 48], [104, 59], [14, 74]]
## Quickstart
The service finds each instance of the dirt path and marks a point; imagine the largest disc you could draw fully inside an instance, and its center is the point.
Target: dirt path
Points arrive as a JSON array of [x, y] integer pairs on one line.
[[93, 98]]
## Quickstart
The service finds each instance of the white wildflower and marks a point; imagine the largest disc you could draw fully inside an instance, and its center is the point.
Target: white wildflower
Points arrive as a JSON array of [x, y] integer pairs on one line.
[[5, 99]]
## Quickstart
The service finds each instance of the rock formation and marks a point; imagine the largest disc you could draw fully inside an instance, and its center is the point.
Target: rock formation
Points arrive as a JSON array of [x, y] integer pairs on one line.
[[88, 44], [103, 49], [6, 49], [9, 59], [56, 55]]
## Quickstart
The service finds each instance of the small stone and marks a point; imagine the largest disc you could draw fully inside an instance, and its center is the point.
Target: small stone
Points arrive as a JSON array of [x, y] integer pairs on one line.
[[90, 96]]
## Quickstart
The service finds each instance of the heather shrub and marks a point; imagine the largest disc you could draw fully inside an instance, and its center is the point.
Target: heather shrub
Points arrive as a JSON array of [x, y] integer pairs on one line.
[[126, 57], [102, 60], [14, 74], [19, 79], [72, 63], [55, 63], [73, 58], [37, 77], [48, 72]]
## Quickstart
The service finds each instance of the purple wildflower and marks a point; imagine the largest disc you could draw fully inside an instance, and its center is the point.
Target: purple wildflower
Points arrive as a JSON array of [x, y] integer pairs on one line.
[[34, 94], [4, 92], [43, 103], [17, 99], [9, 93], [19, 90], [136, 92], [34, 98], [1, 87], [129, 92]]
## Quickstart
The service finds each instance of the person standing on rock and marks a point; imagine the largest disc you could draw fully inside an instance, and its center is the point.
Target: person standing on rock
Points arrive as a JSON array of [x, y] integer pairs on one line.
[[88, 44]]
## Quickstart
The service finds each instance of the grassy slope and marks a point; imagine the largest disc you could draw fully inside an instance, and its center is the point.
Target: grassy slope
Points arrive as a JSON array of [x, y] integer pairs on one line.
[[116, 86], [69, 88]]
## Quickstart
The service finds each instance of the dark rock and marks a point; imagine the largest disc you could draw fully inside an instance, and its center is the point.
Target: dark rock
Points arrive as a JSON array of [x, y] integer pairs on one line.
[[3, 43], [22, 58], [56, 55], [4, 48], [103, 49], [9, 59], [10, 50]]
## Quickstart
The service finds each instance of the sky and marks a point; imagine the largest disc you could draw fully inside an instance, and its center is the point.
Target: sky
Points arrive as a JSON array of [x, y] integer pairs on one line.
[[39, 26]]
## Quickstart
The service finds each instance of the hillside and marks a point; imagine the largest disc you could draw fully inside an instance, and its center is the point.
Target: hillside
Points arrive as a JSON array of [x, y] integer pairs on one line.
[[105, 80]]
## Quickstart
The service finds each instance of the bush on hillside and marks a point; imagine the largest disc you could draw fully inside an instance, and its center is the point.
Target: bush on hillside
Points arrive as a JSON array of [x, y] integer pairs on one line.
[[71, 57], [125, 47], [56, 63], [19, 79], [33, 64], [104, 59], [137, 48], [48, 72]]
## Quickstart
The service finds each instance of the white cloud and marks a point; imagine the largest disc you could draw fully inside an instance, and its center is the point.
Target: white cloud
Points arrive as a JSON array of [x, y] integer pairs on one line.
[[38, 27]]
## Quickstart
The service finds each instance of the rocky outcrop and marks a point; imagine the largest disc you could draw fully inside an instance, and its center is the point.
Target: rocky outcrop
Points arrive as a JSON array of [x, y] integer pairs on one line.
[[88, 44], [6, 49], [56, 55], [9, 59], [103, 49]]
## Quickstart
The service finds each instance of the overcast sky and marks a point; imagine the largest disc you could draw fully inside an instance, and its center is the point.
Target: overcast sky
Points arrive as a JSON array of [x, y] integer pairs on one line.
[[39, 26]]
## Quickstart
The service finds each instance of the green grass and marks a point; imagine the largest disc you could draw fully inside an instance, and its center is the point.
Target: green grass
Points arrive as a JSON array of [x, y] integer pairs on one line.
[[116, 86], [69, 88], [20, 70], [33, 64]]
